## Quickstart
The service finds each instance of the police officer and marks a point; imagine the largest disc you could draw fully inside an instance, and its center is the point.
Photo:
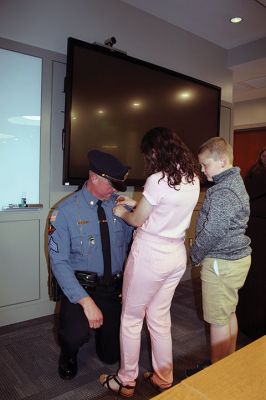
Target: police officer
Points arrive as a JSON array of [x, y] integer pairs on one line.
[[77, 261]]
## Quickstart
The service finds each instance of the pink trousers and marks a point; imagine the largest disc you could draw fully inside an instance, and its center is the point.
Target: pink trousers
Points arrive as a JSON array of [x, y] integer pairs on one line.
[[154, 268]]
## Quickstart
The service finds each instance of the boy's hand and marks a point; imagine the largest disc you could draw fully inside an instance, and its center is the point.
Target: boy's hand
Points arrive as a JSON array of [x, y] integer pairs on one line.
[[193, 263], [196, 265]]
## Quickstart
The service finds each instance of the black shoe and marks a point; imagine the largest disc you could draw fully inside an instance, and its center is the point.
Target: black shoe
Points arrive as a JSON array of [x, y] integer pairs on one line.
[[68, 366], [199, 367]]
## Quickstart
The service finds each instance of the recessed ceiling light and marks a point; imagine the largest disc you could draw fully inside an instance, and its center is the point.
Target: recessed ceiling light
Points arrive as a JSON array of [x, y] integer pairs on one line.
[[236, 20]]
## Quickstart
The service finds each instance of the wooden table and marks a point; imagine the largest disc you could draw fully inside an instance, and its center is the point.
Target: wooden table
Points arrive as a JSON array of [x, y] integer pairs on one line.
[[240, 376]]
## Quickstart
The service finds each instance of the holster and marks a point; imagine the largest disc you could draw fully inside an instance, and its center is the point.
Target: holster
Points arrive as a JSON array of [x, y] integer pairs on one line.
[[88, 280], [117, 282]]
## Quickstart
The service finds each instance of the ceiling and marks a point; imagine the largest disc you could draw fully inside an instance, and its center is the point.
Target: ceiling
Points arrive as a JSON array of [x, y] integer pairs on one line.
[[209, 19]]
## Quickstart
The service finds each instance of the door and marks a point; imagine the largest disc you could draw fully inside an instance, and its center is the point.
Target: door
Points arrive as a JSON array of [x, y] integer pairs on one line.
[[247, 145]]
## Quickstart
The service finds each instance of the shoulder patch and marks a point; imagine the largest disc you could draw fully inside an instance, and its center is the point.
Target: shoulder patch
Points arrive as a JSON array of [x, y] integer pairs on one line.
[[52, 245], [54, 215], [51, 229]]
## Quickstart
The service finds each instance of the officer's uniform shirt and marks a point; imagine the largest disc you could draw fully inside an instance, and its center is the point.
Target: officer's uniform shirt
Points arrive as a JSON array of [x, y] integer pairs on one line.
[[75, 242]]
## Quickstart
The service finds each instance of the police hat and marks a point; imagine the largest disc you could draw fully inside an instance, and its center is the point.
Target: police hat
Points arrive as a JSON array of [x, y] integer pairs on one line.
[[109, 167]]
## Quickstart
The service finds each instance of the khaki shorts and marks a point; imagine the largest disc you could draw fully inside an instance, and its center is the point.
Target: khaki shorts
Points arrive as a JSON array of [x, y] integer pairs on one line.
[[221, 280]]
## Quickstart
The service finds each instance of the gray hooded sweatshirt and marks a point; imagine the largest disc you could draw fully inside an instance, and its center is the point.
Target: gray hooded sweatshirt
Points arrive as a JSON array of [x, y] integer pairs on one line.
[[222, 221]]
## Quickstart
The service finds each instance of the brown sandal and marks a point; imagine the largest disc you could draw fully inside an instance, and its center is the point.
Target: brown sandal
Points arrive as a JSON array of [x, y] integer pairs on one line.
[[113, 383], [148, 378]]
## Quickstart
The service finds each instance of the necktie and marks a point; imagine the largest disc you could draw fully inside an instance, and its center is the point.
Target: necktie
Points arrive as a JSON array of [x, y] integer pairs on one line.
[[105, 238]]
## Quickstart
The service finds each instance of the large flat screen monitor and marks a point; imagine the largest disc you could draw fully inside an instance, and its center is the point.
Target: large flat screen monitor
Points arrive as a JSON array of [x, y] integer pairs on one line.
[[112, 99]]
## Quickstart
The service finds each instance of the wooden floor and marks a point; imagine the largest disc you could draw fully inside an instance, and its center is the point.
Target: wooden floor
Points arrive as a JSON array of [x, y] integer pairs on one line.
[[29, 355]]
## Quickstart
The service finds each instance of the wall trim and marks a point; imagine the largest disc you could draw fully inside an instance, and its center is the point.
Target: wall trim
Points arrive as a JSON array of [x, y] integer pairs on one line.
[[258, 126], [26, 311]]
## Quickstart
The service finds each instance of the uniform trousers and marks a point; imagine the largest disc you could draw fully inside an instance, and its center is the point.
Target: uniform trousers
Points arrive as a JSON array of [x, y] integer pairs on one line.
[[74, 328], [154, 268]]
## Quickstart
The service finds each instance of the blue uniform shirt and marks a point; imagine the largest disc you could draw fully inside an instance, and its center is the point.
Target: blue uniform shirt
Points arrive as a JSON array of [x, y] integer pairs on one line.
[[75, 243]]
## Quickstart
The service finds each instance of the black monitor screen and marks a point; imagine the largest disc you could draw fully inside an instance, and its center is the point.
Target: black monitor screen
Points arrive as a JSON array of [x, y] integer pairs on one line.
[[113, 99]]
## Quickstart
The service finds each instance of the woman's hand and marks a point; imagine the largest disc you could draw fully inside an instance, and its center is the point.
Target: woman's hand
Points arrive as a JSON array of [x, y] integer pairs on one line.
[[127, 201], [119, 211], [137, 216]]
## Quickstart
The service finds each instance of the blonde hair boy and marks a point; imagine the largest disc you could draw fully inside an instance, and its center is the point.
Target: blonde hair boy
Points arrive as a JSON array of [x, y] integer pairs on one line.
[[218, 148], [221, 246], [215, 156]]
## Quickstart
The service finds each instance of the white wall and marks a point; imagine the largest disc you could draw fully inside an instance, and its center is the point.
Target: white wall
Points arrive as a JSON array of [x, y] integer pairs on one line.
[[247, 52], [250, 114], [47, 25]]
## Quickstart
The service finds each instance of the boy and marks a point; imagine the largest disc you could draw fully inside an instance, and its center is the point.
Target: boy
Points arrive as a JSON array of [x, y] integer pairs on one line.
[[221, 246]]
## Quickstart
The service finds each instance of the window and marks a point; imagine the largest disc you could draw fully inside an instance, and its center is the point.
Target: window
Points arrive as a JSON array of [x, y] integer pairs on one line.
[[20, 105]]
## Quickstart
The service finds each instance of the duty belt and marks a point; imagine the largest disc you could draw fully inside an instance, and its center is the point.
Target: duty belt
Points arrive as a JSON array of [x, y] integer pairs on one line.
[[90, 280]]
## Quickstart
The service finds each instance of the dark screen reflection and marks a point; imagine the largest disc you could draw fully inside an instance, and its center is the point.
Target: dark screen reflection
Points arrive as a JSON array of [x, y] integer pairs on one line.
[[114, 101]]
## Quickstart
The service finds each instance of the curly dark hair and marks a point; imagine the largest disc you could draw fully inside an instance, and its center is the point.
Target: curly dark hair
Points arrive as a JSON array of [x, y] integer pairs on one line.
[[165, 152]]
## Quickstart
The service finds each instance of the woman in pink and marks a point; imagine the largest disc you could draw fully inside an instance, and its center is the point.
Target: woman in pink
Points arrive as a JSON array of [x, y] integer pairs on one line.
[[157, 259]]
